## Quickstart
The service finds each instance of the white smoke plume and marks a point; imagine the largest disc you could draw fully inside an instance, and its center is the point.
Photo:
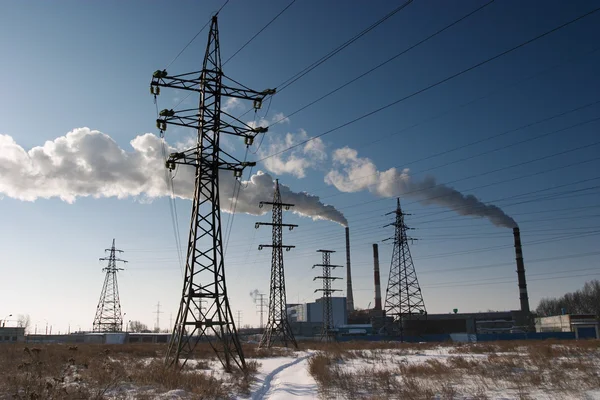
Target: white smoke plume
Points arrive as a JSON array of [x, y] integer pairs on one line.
[[254, 294], [354, 173], [85, 162], [297, 161]]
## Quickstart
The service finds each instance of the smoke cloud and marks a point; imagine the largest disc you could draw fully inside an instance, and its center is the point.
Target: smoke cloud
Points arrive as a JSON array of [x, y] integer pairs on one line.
[[85, 163], [355, 173], [254, 294]]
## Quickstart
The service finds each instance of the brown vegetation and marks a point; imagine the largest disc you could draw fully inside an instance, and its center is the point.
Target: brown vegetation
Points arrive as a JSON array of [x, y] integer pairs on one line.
[[86, 371], [474, 371]]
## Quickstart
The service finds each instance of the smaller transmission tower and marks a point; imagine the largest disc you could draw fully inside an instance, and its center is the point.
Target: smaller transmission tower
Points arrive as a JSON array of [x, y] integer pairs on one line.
[[327, 330], [261, 307], [278, 328], [108, 313], [403, 297], [157, 312]]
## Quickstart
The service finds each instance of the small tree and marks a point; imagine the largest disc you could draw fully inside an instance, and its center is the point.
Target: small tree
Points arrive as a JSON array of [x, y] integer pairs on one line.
[[137, 326], [24, 321]]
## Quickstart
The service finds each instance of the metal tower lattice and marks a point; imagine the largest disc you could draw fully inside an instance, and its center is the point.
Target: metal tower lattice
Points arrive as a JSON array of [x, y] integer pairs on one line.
[[278, 328], [108, 313], [403, 297], [204, 312], [327, 330]]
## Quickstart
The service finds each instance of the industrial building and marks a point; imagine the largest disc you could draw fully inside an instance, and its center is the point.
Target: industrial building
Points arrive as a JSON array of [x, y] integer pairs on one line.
[[585, 326], [307, 319], [12, 334]]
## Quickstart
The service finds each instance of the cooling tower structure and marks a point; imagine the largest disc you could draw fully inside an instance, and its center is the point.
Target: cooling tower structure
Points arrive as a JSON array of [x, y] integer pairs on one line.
[[349, 296], [376, 277]]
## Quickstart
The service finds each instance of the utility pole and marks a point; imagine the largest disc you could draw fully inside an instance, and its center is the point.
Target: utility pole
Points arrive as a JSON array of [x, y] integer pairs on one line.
[[205, 268], [108, 313], [261, 308], [157, 312], [278, 328], [403, 297], [327, 332]]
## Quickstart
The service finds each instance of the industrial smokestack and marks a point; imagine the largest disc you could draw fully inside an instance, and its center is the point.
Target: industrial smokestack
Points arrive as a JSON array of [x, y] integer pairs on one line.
[[521, 272], [377, 280], [349, 296]]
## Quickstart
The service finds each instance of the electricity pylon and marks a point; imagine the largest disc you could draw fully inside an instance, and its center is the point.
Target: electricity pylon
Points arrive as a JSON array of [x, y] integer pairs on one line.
[[108, 313], [261, 307], [278, 328], [204, 312], [327, 332], [403, 297]]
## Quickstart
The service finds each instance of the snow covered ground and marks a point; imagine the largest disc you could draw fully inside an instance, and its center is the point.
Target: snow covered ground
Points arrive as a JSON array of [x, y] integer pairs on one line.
[[438, 373], [359, 370]]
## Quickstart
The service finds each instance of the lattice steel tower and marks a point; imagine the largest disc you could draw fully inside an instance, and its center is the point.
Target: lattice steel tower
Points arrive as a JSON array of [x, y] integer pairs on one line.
[[327, 330], [108, 313], [204, 312], [278, 328], [403, 297]]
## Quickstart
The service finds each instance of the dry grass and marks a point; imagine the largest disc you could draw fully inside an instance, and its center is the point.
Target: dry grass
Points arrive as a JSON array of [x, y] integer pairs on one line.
[[86, 371], [567, 369]]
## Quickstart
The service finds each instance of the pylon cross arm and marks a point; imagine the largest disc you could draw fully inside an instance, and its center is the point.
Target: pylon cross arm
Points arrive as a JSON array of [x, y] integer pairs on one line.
[[189, 157], [193, 81]]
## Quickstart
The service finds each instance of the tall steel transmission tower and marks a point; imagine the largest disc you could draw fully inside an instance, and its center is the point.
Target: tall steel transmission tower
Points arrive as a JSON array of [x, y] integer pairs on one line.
[[205, 271], [108, 313], [278, 328], [403, 297], [327, 330]]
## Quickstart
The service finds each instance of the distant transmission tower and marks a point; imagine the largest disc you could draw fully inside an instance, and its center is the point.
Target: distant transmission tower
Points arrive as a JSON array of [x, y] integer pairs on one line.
[[108, 313], [278, 328], [327, 330], [239, 318], [157, 312], [261, 308], [403, 297], [205, 270]]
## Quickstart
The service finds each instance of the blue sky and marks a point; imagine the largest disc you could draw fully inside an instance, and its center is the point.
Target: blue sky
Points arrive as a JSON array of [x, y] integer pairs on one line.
[[73, 65]]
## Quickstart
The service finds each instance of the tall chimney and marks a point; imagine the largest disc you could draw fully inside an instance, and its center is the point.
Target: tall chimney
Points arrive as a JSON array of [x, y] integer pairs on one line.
[[521, 272], [349, 296], [377, 280]]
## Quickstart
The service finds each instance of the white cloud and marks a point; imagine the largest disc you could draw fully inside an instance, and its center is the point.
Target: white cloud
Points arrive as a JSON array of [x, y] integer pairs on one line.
[[86, 163], [233, 104], [280, 118], [297, 160]]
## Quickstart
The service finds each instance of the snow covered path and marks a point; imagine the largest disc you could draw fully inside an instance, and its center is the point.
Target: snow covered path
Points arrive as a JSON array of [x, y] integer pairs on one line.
[[285, 378]]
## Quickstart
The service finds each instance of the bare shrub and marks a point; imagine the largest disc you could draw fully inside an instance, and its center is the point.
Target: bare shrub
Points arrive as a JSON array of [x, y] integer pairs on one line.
[[155, 373]]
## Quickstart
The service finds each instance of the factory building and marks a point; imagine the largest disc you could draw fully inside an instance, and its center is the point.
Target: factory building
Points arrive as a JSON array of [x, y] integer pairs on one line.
[[307, 319], [585, 326], [12, 334]]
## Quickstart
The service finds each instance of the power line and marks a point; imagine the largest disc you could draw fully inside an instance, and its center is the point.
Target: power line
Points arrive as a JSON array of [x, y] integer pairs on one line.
[[382, 64], [195, 36], [511, 281], [495, 137], [282, 86], [259, 32], [432, 85]]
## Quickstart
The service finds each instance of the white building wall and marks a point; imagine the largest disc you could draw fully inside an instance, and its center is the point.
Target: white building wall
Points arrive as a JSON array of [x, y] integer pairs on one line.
[[338, 306]]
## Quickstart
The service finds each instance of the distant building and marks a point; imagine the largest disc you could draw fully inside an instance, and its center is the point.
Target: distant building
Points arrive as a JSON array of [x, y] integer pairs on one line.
[[307, 319], [12, 334], [313, 312], [585, 326]]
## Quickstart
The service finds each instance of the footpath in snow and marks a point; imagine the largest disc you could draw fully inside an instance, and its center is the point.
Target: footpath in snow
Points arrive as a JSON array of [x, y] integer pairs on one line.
[[284, 378]]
